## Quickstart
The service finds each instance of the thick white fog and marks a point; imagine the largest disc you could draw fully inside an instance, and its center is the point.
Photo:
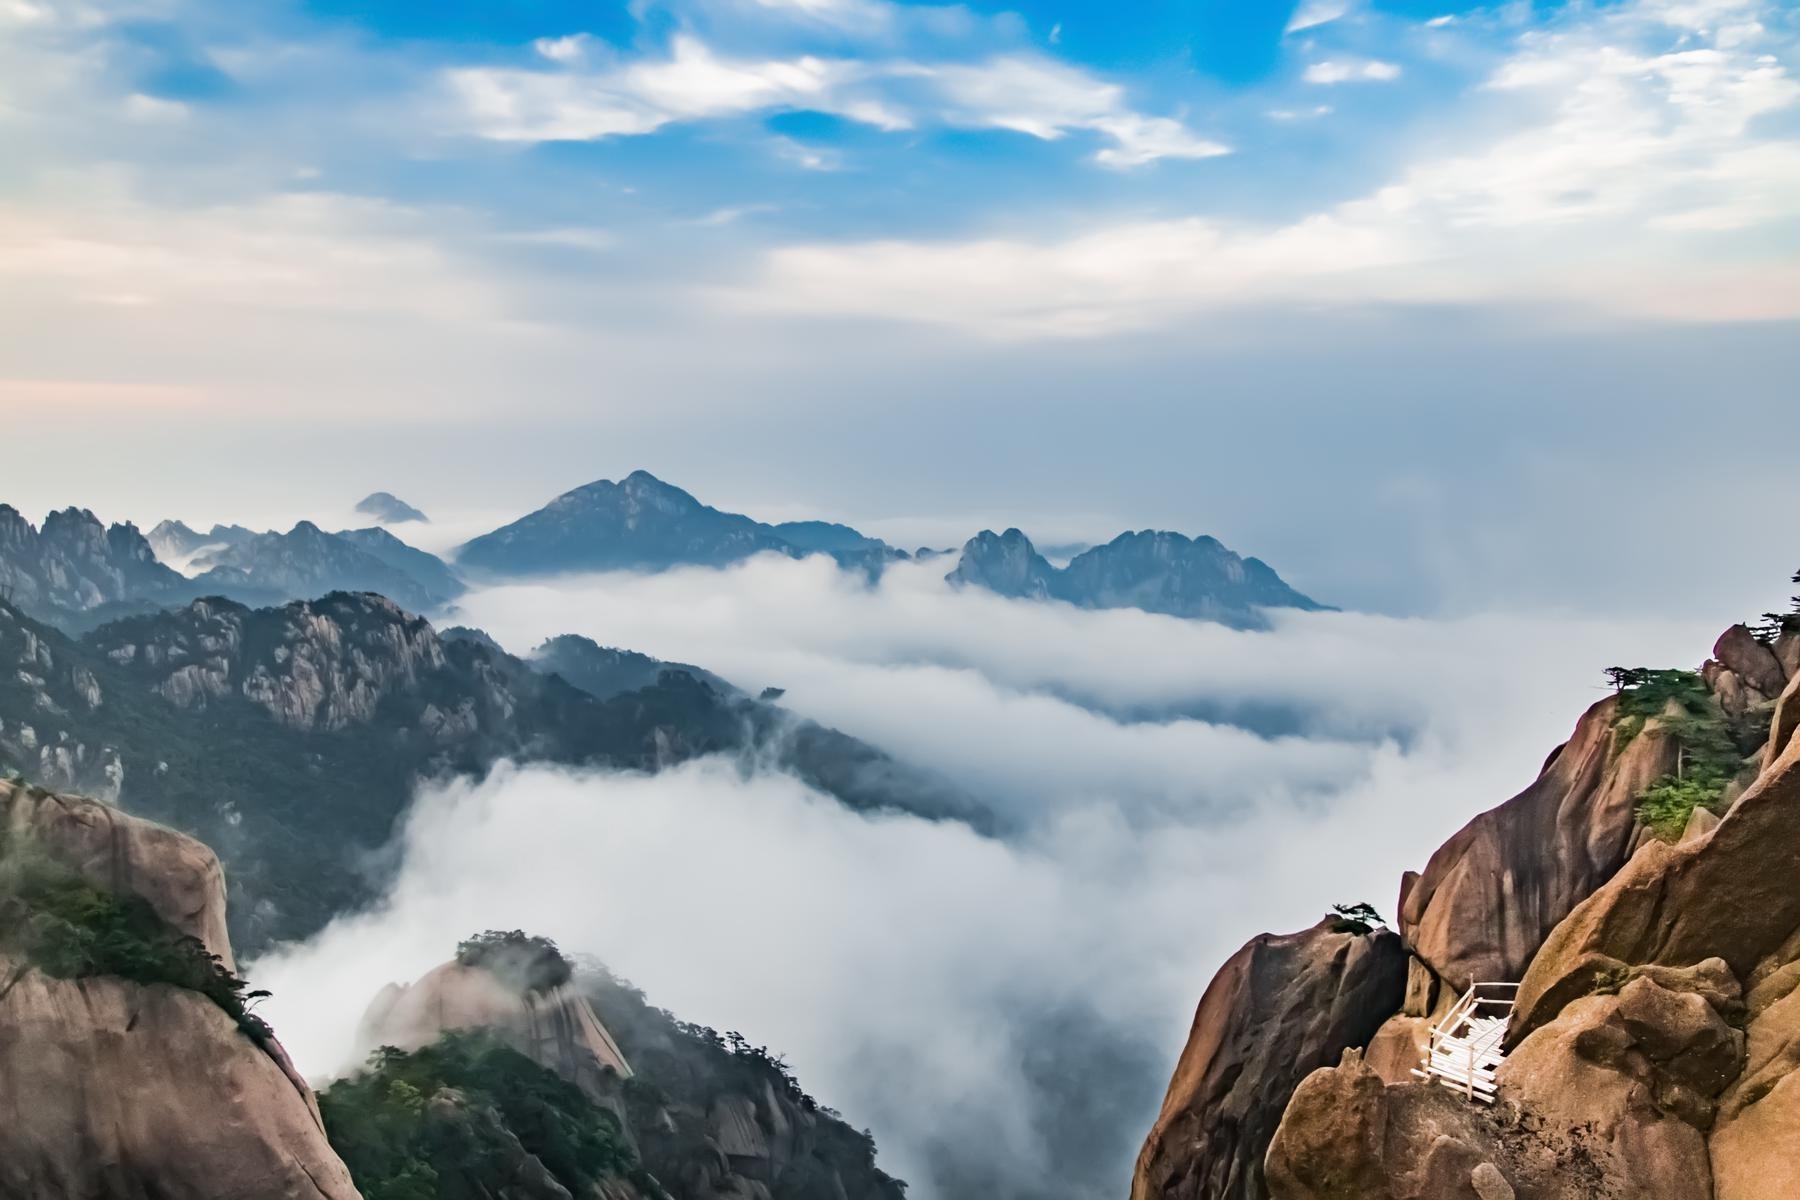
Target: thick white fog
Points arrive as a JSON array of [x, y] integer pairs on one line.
[[1003, 1014]]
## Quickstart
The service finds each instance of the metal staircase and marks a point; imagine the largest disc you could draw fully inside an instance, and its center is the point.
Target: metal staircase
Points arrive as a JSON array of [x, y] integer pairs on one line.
[[1465, 1048]]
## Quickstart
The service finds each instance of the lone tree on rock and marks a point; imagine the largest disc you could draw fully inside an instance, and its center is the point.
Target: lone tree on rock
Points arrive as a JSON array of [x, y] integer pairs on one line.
[[1359, 919]]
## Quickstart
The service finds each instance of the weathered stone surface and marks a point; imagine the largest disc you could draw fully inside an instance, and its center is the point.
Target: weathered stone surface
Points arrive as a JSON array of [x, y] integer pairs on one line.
[[1398, 1047], [179, 876], [1787, 653], [1682, 1034], [1785, 722], [114, 1090], [1701, 822], [557, 1028], [1494, 891], [1586, 1070], [1750, 660], [1345, 1136], [1756, 1143], [1730, 895], [1280, 1007], [118, 1091]]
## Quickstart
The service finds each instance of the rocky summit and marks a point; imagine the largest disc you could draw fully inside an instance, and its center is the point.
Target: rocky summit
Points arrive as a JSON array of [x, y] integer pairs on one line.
[[77, 569], [641, 523], [1640, 895], [1155, 571]]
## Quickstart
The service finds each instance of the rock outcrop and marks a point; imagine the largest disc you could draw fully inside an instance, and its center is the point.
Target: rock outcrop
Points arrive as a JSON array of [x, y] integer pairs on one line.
[[556, 1028], [178, 876], [1491, 894], [112, 1089], [1729, 895], [1006, 564], [1655, 1046], [1279, 1008]]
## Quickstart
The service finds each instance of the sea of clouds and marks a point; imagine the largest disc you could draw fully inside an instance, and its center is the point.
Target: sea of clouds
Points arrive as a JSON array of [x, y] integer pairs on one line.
[[1001, 1011]]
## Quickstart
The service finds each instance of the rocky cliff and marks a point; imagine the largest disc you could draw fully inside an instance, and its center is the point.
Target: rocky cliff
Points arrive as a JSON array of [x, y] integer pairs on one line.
[[1640, 891], [117, 1080], [75, 566]]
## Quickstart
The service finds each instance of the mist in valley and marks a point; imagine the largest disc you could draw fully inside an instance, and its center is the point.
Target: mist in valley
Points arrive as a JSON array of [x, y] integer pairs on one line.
[[1001, 1010]]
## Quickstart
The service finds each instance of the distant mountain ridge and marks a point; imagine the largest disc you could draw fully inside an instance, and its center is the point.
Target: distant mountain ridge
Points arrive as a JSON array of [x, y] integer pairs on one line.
[[642, 523], [304, 563], [1153, 570], [75, 566]]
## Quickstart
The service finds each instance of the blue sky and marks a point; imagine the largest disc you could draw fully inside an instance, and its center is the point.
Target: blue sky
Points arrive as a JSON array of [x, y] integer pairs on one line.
[[788, 251]]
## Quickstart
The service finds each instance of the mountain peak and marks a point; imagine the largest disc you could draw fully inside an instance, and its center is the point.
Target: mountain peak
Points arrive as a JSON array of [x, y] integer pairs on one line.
[[389, 509], [1156, 570]]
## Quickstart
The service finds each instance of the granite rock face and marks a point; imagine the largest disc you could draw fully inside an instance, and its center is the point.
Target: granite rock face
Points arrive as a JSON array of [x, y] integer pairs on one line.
[[112, 1089], [1491, 894], [1005, 564], [557, 1029], [75, 565], [1279, 1008]]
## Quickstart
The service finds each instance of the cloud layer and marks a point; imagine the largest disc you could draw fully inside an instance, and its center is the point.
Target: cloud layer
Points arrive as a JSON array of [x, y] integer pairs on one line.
[[1002, 1013]]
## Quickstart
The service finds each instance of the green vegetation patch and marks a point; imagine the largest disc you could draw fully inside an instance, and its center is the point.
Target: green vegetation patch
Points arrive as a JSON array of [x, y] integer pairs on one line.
[[440, 1124], [1709, 750], [67, 928], [519, 960]]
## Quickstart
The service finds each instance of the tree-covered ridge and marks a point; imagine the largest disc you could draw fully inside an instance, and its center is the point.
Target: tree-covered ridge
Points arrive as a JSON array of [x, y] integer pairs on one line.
[[254, 730], [55, 920], [685, 1071], [469, 1118]]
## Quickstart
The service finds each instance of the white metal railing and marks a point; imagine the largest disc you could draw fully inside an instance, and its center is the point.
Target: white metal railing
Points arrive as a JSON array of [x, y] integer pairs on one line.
[[1466, 1047]]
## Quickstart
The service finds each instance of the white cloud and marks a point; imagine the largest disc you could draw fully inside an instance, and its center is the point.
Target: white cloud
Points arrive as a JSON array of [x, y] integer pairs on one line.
[[1313, 13], [1027, 94], [909, 968], [692, 83], [572, 48], [1352, 70], [1046, 99], [1609, 149]]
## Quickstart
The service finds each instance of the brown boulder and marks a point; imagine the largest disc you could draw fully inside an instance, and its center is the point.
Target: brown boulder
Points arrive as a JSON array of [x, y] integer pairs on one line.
[[1345, 1136], [1494, 891], [1583, 1074], [1398, 1047], [179, 877], [1750, 661], [1280, 1007], [1729, 895]]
